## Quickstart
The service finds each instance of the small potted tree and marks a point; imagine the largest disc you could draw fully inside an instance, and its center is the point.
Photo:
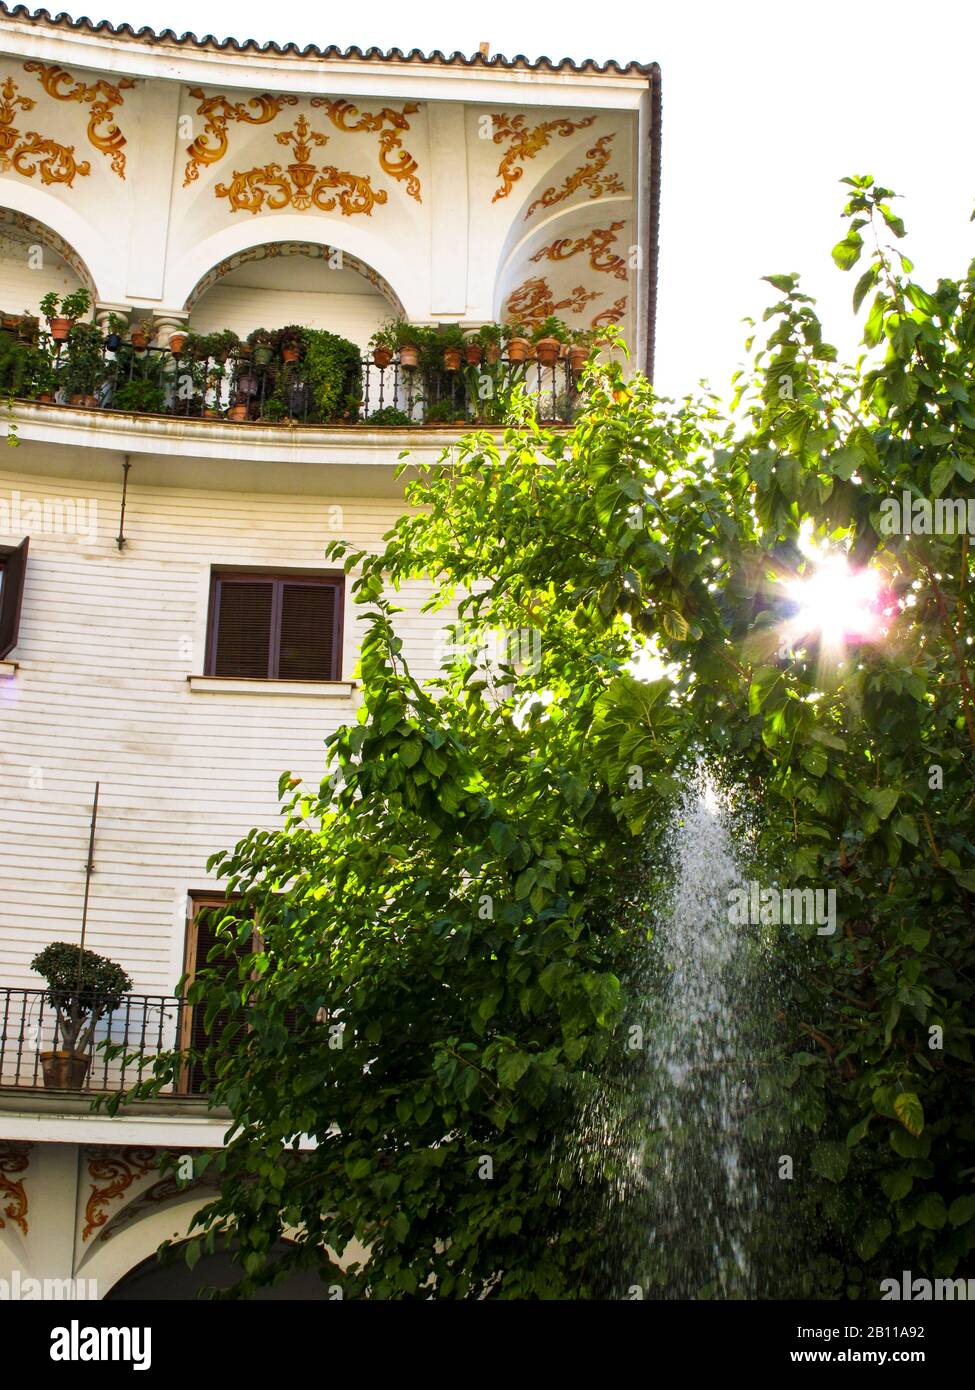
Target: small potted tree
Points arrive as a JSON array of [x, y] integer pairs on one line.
[[62, 313], [548, 338], [582, 343], [82, 987], [84, 365]]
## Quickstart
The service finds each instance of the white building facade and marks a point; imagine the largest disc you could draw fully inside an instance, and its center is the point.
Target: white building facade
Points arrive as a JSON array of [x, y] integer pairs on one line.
[[169, 629]]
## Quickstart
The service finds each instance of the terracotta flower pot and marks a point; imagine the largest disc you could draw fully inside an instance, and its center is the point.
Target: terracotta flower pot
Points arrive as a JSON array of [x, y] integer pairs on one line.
[[578, 357], [237, 412], [452, 358], [492, 353], [472, 353], [177, 341], [518, 349], [76, 399], [64, 1071], [547, 351], [382, 356], [409, 355], [138, 339], [290, 352], [60, 328], [45, 398], [9, 322]]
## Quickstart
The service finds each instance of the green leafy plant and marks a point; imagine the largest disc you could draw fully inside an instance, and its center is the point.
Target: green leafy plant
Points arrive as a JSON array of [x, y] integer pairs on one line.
[[551, 327], [83, 369], [73, 306], [385, 337], [140, 395], [389, 415], [333, 368], [82, 987]]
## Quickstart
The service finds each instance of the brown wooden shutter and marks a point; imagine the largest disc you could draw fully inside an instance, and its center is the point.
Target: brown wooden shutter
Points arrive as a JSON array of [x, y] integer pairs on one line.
[[244, 626], [206, 919], [308, 633], [11, 595]]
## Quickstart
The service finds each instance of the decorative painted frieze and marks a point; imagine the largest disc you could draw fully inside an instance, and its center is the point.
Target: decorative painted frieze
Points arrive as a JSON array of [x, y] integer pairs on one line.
[[533, 301], [526, 142], [614, 314], [403, 166], [302, 184], [29, 152], [590, 176], [598, 243], [102, 96], [14, 1205], [113, 1171]]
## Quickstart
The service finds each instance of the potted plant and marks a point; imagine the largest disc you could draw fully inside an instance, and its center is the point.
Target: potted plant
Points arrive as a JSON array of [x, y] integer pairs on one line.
[[140, 396], [82, 987], [489, 336], [409, 340], [289, 342], [473, 349], [548, 338], [27, 327], [581, 345], [83, 364], [115, 328], [9, 322], [177, 341], [389, 415], [43, 378], [197, 346], [518, 340], [140, 334], [443, 413], [260, 343], [450, 340], [62, 313], [383, 344]]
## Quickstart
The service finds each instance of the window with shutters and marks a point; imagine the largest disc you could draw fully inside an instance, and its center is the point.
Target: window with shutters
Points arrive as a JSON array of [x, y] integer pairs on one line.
[[285, 627], [13, 570]]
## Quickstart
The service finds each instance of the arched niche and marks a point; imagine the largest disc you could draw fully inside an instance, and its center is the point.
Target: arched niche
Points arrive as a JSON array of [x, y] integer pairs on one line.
[[282, 282], [35, 259]]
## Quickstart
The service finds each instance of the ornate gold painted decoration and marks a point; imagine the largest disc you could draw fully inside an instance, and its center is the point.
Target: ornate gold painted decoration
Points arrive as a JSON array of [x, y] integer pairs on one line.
[[404, 167], [526, 143], [117, 1169], [302, 185], [219, 112], [533, 301], [597, 243], [589, 176], [613, 314], [101, 96], [13, 1159], [33, 153]]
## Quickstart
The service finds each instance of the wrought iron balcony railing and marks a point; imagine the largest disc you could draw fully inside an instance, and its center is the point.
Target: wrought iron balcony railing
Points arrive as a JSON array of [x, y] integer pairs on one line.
[[244, 387], [35, 1051]]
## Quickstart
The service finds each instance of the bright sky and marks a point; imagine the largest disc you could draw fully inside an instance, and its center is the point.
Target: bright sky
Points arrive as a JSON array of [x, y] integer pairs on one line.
[[766, 106]]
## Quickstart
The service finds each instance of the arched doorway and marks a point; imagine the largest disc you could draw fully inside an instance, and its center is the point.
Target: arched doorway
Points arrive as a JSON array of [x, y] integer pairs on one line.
[[34, 260], [172, 1280]]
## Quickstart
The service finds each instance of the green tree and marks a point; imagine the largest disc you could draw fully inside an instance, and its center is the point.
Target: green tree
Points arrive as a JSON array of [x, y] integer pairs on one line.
[[446, 922]]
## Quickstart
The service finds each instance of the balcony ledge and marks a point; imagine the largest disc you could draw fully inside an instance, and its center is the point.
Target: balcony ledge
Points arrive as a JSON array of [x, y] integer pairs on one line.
[[342, 691], [8, 669]]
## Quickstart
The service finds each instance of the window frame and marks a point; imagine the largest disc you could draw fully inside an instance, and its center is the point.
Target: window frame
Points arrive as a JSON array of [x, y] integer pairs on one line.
[[12, 606], [334, 579]]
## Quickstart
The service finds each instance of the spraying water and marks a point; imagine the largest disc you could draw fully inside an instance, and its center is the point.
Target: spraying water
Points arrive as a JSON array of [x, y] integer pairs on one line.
[[688, 1162]]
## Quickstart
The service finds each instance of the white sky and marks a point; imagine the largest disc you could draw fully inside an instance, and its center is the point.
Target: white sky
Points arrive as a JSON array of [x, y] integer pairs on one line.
[[765, 106]]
